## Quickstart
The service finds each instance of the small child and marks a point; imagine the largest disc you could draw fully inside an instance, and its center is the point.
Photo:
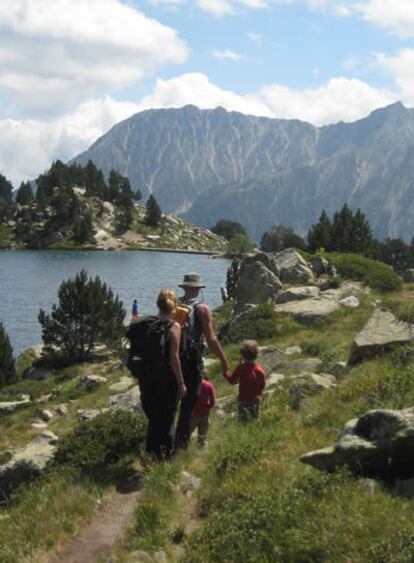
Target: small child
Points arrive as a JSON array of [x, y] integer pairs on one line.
[[135, 309], [251, 379], [201, 412]]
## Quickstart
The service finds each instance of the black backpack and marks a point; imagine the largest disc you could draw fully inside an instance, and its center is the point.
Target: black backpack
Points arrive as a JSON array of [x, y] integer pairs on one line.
[[191, 342], [148, 352]]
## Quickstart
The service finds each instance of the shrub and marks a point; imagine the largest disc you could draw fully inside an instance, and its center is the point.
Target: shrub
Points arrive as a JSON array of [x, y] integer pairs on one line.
[[376, 275], [239, 244], [7, 363], [87, 314], [259, 323], [228, 229], [99, 443], [152, 213]]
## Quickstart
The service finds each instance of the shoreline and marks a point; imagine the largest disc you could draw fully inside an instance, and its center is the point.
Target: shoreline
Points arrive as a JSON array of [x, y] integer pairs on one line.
[[216, 254]]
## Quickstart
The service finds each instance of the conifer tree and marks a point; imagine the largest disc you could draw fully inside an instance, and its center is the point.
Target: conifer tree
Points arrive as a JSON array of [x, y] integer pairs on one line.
[[280, 237], [7, 363], [87, 314], [25, 194], [153, 212], [319, 235]]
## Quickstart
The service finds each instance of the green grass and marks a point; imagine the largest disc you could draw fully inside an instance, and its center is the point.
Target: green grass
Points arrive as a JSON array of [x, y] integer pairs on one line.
[[5, 236]]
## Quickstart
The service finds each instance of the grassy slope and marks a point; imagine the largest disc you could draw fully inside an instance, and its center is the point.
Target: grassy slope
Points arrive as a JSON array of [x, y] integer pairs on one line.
[[259, 503]]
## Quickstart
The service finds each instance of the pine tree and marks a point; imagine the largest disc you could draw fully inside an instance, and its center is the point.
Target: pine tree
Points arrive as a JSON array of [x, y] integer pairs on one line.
[[280, 237], [153, 212], [83, 227], [25, 194], [87, 315], [342, 230], [319, 235], [7, 363], [362, 240]]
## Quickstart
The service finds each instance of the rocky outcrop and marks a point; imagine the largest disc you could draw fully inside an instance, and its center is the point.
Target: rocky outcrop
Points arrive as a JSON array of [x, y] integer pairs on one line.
[[9, 407], [381, 332], [292, 267], [27, 463], [378, 444], [310, 311], [258, 282]]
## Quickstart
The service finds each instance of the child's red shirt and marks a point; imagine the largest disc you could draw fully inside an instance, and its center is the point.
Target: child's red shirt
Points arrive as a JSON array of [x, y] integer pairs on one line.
[[251, 379], [206, 400]]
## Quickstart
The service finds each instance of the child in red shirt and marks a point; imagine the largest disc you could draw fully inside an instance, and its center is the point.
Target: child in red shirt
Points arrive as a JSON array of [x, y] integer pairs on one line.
[[251, 379], [201, 412]]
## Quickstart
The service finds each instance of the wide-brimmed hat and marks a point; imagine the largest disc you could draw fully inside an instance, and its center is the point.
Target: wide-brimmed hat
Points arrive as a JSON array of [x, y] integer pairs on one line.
[[192, 280]]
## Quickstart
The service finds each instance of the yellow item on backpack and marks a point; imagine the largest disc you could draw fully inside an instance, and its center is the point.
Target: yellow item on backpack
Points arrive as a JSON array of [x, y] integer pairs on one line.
[[181, 314]]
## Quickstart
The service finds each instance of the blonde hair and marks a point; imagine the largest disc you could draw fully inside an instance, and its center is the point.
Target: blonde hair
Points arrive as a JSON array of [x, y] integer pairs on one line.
[[249, 350], [167, 301]]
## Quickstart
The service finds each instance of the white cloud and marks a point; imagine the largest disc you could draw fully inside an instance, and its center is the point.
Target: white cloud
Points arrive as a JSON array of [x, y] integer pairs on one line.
[[196, 89], [401, 67], [217, 8], [29, 146], [340, 99], [227, 54], [55, 52], [395, 15]]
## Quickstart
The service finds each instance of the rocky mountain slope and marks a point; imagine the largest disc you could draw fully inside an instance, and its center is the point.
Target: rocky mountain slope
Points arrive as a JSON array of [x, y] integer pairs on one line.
[[212, 164], [173, 233]]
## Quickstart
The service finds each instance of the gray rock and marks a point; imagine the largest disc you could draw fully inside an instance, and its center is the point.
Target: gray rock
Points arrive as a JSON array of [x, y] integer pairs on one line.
[[38, 373], [309, 311], [257, 284], [62, 410], [292, 350], [379, 444], [140, 557], [129, 401], [89, 414], [309, 384], [408, 275], [267, 260], [274, 360], [188, 482], [9, 407], [160, 557], [90, 382], [292, 267], [350, 301], [380, 333], [39, 425], [297, 294], [27, 463], [274, 379], [123, 384], [46, 415]]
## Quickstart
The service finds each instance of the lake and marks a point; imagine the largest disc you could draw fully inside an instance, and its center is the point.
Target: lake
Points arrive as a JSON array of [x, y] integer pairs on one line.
[[29, 280]]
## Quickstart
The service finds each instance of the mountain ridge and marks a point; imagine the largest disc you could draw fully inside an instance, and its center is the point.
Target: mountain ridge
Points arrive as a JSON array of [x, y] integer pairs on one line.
[[200, 163]]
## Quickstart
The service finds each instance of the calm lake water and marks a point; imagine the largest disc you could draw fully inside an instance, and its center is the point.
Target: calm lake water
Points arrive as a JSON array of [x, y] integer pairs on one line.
[[29, 280]]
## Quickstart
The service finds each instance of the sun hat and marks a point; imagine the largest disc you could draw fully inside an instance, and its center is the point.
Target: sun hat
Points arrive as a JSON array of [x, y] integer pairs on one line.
[[192, 280]]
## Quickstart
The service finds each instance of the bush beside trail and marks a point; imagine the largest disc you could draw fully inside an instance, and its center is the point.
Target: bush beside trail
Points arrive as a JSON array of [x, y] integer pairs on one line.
[[377, 275]]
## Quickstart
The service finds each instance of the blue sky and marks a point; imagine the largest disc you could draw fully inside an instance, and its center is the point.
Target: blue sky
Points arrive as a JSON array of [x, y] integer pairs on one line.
[[70, 69]]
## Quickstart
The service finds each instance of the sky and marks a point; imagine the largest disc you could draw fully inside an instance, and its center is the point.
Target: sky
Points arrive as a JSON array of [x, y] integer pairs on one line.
[[71, 69]]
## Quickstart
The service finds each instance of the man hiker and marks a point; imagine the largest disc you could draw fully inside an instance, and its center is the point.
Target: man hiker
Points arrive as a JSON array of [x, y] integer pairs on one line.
[[199, 325]]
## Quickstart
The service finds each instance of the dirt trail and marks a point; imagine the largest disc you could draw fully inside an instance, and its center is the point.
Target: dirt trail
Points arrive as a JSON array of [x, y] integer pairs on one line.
[[97, 537]]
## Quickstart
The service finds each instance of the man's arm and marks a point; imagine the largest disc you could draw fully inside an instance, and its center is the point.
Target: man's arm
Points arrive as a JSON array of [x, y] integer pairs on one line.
[[175, 334], [206, 319]]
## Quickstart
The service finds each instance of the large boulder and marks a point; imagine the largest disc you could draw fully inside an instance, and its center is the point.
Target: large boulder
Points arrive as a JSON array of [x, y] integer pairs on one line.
[[381, 332], [292, 267], [257, 283], [297, 294], [378, 444], [274, 360], [27, 463], [309, 384]]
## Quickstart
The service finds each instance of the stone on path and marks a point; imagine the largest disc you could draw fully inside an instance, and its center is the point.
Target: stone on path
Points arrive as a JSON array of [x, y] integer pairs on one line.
[[27, 463], [309, 311], [46, 415], [381, 332], [378, 444], [350, 301], [292, 350], [274, 360]]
